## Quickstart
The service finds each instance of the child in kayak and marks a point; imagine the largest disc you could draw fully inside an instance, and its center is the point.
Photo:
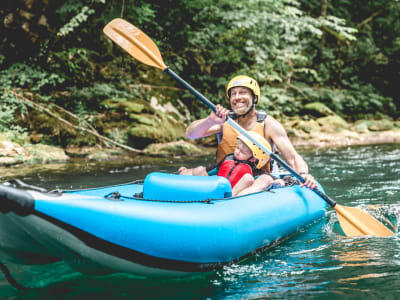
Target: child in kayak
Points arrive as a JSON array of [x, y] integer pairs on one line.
[[241, 166]]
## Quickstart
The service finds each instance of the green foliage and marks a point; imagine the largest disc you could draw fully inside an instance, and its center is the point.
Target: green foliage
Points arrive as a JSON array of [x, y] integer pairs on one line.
[[99, 91], [75, 13], [22, 75], [374, 57], [15, 133], [278, 101], [269, 40], [348, 59], [69, 9], [338, 26], [118, 135], [9, 106], [91, 97], [74, 64], [362, 102], [77, 20]]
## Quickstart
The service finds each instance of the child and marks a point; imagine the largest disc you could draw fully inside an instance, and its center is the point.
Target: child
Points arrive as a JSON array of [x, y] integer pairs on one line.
[[241, 166]]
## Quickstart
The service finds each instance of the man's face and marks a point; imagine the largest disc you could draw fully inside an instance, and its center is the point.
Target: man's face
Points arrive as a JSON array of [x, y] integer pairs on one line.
[[241, 99]]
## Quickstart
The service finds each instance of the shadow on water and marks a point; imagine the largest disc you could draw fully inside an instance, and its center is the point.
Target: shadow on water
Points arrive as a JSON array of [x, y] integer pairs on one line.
[[80, 173], [122, 286]]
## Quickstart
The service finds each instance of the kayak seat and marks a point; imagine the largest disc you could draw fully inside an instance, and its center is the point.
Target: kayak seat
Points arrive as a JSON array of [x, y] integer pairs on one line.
[[173, 187]]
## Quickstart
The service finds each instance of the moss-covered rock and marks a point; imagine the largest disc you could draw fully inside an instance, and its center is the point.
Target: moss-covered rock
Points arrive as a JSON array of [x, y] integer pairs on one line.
[[98, 154], [128, 106], [11, 153], [317, 109], [361, 126], [145, 119], [161, 129], [174, 148], [14, 154], [374, 125], [381, 125], [140, 123], [309, 126], [332, 123], [145, 132], [178, 111], [41, 153]]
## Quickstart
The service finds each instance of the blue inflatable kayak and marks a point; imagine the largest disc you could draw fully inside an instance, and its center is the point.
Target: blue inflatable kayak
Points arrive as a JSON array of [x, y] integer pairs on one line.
[[165, 225]]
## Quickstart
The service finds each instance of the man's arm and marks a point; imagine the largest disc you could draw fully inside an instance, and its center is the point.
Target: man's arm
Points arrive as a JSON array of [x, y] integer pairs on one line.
[[202, 128], [275, 131], [208, 126], [277, 134]]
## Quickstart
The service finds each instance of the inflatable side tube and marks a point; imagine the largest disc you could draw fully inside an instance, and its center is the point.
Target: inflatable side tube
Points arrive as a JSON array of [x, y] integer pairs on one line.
[[163, 186], [16, 200]]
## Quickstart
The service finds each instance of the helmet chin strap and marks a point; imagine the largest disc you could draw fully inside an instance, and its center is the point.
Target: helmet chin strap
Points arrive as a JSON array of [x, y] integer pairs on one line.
[[252, 160]]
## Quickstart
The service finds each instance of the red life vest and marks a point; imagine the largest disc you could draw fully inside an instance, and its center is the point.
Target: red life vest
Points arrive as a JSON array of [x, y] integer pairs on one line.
[[234, 170]]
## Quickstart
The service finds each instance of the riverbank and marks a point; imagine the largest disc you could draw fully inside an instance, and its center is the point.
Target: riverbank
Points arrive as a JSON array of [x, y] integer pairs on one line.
[[347, 138], [22, 161], [303, 134]]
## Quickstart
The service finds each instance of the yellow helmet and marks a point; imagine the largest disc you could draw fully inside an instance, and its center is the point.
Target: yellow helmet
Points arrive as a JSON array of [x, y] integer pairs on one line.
[[259, 154], [246, 81]]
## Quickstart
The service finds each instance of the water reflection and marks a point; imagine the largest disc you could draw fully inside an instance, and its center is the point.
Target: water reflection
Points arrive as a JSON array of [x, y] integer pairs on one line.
[[356, 253]]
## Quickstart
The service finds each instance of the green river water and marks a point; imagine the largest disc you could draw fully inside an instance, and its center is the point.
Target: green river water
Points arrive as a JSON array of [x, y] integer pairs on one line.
[[317, 262]]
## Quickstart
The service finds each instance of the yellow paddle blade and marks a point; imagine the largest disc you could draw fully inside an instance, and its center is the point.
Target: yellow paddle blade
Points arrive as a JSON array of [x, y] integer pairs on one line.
[[135, 42], [355, 222]]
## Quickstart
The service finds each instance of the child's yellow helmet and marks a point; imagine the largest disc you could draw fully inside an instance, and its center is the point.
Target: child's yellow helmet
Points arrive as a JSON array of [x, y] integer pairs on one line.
[[259, 154]]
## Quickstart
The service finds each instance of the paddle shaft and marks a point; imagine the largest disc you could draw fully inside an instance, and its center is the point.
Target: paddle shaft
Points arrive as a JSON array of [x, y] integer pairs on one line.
[[239, 128], [191, 89]]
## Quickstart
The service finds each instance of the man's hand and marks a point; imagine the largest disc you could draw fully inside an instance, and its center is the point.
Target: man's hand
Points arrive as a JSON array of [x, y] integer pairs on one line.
[[219, 117], [310, 181]]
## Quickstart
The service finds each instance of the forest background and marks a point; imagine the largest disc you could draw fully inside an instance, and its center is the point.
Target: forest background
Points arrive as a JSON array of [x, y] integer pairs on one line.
[[319, 63]]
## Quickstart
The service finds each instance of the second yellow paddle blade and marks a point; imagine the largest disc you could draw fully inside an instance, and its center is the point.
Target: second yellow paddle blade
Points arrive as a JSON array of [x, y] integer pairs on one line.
[[355, 222], [135, 42]]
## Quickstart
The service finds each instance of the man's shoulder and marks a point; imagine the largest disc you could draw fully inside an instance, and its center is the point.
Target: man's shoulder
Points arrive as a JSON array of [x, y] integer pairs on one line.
[[272, 125], [271, 120]]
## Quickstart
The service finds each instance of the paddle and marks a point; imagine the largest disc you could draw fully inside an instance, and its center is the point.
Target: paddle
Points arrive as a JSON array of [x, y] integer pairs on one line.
[[353, 221]]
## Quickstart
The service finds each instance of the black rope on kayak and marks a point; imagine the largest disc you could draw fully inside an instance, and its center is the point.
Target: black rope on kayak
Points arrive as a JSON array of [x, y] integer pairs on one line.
[[116, 196], [11, 279], [206, 201]]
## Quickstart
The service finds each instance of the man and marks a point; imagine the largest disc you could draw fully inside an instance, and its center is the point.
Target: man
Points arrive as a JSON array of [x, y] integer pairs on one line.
[[243, 93]]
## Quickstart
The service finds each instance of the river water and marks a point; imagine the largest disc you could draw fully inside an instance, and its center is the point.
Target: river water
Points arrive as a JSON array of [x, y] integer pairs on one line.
[[318, 262]]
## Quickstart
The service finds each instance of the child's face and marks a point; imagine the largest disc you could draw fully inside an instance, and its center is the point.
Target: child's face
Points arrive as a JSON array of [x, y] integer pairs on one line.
[[242, 152]]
